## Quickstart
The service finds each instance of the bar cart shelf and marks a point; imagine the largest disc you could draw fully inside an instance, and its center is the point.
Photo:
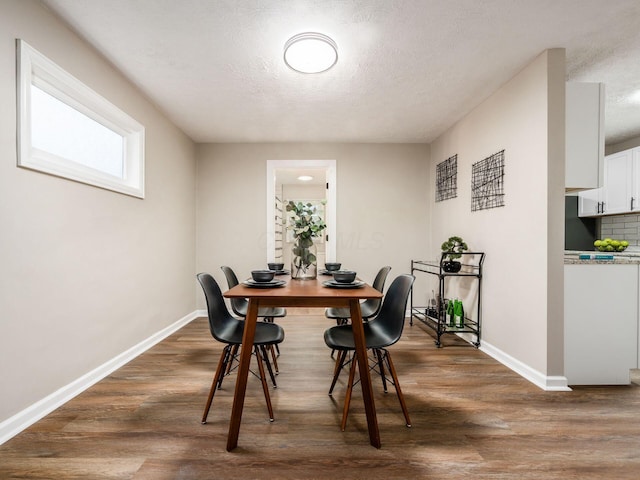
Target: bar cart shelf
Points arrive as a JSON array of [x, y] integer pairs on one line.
[[435, 316]]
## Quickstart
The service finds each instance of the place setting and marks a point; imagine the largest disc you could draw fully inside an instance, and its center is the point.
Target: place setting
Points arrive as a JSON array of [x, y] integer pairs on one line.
[[278, 268], [329, 268], [343, 279], [264, 279]]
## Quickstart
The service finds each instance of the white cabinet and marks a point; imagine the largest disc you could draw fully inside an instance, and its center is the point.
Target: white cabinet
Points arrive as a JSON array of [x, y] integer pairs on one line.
[[621, 190], [618, 181], [584, 132], [600, 323], [634, 202], [590, 203]]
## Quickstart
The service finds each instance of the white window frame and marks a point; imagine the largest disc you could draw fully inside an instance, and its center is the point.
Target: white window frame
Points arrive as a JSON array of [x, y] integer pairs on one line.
[[36, 69]]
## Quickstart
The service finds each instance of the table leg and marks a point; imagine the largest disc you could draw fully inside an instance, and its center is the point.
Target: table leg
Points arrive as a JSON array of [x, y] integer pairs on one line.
[[365, 377], [243, 372]]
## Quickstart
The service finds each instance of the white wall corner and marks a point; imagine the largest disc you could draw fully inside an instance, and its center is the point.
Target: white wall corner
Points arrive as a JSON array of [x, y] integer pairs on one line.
[[27, 417], [553, 383]]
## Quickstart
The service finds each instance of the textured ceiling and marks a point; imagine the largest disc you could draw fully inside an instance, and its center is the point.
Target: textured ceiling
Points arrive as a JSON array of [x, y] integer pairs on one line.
[[407, 69]]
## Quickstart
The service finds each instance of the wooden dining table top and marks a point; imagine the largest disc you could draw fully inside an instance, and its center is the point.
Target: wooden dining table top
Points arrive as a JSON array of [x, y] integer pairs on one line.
[[302, 293]]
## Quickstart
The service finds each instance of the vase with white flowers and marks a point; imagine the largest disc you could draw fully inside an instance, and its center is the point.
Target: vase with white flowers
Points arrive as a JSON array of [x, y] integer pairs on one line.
[[305, 223]]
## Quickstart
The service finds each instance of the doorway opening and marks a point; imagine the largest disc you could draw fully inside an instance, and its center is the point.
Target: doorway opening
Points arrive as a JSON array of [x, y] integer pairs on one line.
[[282, 186]]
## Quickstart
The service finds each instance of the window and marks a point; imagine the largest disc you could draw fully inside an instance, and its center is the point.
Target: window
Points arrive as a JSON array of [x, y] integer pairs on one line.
[[68, 130]]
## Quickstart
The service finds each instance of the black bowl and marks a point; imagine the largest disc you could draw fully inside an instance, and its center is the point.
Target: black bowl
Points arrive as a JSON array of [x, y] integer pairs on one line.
[[332, 267], [263, 275], [344, 276], [276, 266]]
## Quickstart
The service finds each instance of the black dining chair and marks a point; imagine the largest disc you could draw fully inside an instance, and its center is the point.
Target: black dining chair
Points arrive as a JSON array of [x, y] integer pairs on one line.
[[380, 333], [240, 306], [369, 308], [227, 329]]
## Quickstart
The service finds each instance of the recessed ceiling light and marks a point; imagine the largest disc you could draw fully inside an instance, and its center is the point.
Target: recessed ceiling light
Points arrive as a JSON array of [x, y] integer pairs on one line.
[[310, 53], [305, 178]]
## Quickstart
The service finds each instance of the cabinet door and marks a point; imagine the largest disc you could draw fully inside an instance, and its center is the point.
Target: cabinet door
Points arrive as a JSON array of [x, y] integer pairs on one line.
[[589, 203], [618, 181], [584, 135], [600, 323], [635, 189]]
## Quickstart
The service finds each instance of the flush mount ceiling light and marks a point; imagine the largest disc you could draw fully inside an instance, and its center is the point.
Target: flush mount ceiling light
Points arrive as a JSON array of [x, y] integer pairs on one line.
[[310, 53], [305, 178], [635, 97]]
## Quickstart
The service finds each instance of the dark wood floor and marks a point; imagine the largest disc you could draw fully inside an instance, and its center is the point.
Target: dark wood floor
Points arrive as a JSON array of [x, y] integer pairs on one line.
[[472, 418]]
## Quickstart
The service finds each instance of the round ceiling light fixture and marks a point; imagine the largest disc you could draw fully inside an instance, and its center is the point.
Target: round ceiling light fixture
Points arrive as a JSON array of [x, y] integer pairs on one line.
[[305, 178], [310, 52]]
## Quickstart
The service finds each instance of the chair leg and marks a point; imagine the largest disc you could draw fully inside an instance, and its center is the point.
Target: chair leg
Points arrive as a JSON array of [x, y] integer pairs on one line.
[[228, 359], [338, 368], [339, 321], [265, 357], [265, 387], [216, 379], [394, 376], [347, 398], [234, 353], [381, 366], [277, 348], [274, 357]]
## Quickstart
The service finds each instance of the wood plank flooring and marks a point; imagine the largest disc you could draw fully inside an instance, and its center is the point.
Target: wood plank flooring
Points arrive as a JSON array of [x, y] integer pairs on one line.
[[472, 418]]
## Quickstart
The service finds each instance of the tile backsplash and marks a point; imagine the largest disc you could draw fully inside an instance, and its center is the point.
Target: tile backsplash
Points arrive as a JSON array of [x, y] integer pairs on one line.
[[622, 227]]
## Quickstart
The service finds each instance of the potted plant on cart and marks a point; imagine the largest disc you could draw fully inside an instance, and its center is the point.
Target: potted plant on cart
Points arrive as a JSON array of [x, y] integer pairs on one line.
[[452, 250]]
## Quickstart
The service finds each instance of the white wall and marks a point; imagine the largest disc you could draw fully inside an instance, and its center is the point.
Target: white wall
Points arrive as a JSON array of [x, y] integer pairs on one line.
[[86, 273], [522, 289], [382, 216]]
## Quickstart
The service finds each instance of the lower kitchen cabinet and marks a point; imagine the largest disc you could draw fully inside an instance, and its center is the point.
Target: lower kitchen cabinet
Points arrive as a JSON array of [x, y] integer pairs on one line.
[[600, 323]]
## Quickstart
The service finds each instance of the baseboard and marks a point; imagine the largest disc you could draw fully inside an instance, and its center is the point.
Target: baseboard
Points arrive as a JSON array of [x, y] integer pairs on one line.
[[27, 417], [545, 382]]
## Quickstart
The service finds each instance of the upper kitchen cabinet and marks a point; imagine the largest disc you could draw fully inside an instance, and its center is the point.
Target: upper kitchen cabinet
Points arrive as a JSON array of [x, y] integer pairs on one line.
[[590, 203], [584, 147], [621, 190], [618, 180]]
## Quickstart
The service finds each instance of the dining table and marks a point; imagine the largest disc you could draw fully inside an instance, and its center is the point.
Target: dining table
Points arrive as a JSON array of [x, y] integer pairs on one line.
[[308, 293]]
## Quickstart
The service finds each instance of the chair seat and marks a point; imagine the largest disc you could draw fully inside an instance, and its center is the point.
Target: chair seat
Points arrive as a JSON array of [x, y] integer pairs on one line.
[[266, 333], [366, 310], [265, 312], [341, 337], [272, 312], [334, 312]]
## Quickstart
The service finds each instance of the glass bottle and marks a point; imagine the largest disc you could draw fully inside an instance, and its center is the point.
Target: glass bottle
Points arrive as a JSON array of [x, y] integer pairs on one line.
[[458, 314], [451, 312]]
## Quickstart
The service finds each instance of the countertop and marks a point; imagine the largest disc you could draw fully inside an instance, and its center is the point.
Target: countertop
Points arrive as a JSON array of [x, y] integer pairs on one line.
[[572, 257]]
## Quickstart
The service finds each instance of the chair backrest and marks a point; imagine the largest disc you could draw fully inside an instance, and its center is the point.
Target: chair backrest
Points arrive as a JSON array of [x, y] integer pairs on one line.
[[381, 277], [220, 319], [390, 320], [238, 305], [371, 306]]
